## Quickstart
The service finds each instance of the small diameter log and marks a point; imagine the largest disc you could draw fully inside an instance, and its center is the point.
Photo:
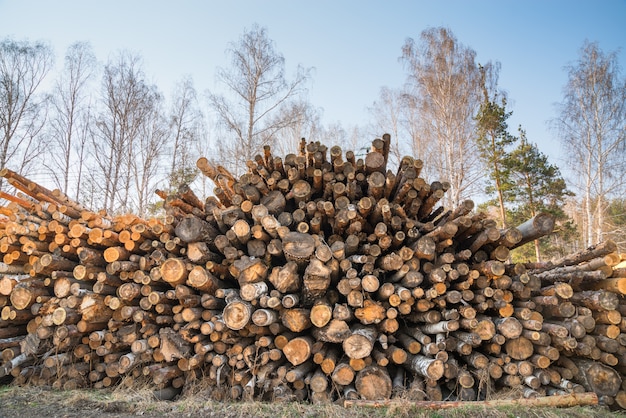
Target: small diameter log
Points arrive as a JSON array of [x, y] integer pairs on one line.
[[440, 327], [321, 313], [237, 314], [425, 366], [598, 250], [343, 374], [315, 281], [360, 344], [252, 291], [264, 317], [201, 279], [318, 382]]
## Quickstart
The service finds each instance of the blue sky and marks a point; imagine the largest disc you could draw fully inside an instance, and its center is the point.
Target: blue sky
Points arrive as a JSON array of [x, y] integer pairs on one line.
[[353, 45]]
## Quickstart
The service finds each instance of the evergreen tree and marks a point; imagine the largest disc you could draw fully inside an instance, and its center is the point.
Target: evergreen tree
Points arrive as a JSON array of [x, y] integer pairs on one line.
[[616, 221], [538, 187], [493, 138]]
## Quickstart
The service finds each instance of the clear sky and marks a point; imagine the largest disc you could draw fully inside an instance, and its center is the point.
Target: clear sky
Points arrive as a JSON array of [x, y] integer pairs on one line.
[[353, 45]]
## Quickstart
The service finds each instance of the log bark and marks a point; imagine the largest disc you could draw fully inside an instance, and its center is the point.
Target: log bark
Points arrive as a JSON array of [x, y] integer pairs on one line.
[[536, 227], [557, 401]]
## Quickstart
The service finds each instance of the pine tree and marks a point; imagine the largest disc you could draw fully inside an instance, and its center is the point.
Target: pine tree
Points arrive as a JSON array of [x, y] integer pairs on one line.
[[539, 187], [493, 138]]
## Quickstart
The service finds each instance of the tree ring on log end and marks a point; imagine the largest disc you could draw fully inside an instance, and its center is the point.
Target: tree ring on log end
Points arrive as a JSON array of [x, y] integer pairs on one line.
[[374, 383], [237, 314], [298, 246]]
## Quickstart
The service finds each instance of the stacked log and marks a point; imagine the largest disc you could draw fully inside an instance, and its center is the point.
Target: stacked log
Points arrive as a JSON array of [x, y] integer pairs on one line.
[[314, 277]]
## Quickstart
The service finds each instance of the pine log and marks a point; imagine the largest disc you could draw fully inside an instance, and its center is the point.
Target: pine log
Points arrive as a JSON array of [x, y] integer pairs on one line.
[[558, 401]]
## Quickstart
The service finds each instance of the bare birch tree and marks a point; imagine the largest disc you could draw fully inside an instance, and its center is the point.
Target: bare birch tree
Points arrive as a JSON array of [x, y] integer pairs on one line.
[[592, 128], [23, 67], [186, 124], [127, 104], [147, 161], [444, 79], [391, 114], [305, 123], [71, 116], [257, 93]]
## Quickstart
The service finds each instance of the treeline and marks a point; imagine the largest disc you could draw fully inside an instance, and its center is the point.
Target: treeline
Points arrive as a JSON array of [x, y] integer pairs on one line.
[[108, 137]]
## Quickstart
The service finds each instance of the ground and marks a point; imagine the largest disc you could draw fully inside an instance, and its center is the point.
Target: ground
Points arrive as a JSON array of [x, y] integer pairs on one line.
[[26, 402]]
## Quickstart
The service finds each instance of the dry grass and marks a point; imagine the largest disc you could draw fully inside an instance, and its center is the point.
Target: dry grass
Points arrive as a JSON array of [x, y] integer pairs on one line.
[[126, 402]]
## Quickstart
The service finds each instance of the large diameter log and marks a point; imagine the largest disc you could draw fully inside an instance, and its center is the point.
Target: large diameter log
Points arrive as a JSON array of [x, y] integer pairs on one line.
[[193, 229], [275, 202], [615, 285], [596, 299], [199, 253], [510, 327], [172, 345], [298, 247], [519, 348], [373, 383], [336, 331], [297, 319], [371, 312], [249, 270], [174, 271], [598, 378], [285, 279], [23, 296], [538, 226], [298, 350]]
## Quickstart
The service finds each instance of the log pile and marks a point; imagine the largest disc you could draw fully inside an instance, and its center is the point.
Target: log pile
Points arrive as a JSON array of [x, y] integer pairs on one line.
[[315, 277]]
